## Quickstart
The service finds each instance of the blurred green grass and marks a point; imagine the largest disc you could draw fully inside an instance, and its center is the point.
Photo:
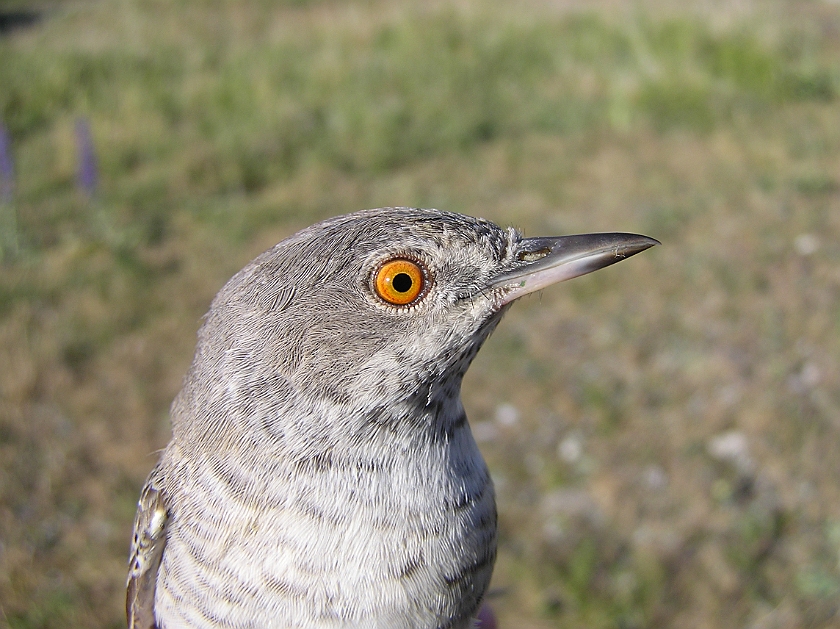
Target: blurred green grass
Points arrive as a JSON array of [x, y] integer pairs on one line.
[[221, 127]]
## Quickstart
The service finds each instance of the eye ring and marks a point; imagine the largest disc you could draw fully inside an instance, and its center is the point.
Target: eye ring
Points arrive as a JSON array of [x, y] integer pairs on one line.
[[400, 282]]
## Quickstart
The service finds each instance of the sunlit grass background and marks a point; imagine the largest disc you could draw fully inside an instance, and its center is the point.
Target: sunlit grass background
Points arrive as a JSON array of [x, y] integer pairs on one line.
[[664, 434]]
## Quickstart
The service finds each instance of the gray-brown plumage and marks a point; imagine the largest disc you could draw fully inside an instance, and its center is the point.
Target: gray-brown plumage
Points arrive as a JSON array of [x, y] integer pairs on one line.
[[321, 472]]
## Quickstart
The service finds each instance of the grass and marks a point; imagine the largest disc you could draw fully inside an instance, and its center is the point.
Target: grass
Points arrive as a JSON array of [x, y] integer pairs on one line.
[[221, 127]]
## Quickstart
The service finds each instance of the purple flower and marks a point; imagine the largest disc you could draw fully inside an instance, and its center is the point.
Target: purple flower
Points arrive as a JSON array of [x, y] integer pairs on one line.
[[88, 174], [7, 168]]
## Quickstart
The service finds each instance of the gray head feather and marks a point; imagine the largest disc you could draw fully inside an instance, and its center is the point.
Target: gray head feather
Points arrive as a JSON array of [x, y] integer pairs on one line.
[[301, 327]]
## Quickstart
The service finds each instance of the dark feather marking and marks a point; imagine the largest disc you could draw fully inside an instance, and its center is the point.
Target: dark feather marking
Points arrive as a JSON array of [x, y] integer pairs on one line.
[[470, 569], [147, 550]]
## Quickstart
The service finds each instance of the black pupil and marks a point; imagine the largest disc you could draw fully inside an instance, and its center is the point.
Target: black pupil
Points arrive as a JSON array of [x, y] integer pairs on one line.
[[402, 282]]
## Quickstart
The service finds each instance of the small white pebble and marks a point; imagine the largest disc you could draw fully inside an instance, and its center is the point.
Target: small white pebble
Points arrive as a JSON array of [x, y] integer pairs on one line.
[[731, 447], [570, 449], [806, 244], [507, 414], [728, 446]]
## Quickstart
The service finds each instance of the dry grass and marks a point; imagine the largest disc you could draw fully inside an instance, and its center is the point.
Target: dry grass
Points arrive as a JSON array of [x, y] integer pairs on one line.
[[664, 434]]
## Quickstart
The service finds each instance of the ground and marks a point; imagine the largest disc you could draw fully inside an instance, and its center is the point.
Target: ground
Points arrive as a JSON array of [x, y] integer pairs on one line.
[[664, 434]]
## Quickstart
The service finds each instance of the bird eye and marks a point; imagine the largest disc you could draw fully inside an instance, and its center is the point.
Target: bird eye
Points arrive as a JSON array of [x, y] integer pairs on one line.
[[399, 282]]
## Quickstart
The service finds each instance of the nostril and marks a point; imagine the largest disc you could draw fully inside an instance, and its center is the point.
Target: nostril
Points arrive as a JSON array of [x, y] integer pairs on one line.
[[531, 256]]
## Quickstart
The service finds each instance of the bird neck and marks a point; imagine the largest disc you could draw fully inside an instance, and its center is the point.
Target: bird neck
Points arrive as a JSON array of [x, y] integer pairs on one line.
[[420, 413]]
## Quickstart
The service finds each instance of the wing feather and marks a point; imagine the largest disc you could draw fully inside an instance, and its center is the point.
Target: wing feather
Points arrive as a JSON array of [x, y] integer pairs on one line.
[[146, 552]]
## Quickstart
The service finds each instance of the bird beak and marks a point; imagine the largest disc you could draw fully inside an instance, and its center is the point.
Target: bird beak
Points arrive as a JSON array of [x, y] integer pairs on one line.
[[551, 260]]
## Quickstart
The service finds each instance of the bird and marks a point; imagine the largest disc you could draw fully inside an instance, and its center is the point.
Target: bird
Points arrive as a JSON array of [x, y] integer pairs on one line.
[[321, 471]]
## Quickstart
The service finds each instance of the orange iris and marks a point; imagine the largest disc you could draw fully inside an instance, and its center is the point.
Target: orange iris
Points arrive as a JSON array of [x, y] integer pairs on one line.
[[399, 282]]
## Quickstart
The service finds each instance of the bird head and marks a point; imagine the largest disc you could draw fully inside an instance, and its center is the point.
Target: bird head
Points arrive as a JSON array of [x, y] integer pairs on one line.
[[379, 308]]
